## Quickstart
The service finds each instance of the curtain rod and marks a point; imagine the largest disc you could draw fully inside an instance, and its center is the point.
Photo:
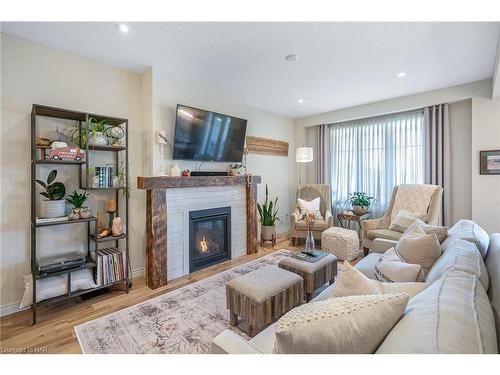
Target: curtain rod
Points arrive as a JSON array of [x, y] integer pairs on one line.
[[384, 114]]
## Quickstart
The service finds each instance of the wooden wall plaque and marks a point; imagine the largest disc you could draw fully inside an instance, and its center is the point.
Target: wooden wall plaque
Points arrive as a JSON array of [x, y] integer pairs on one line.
[[266, 146]]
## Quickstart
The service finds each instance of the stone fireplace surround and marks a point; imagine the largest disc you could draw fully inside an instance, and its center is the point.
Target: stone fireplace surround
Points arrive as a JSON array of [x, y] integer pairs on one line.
[[168, 202]]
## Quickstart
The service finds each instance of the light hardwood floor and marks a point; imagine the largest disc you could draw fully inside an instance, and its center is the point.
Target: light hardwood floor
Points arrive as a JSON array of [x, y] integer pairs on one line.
[[54, 331]]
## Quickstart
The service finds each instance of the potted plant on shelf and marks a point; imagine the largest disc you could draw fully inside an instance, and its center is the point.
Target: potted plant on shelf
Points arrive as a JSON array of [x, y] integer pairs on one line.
[[360, 203], [96, 130], [268, 216], [77, 200], [54, 204]]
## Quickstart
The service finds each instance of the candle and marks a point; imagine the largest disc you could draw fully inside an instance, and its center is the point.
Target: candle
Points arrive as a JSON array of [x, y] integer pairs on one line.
[[99, 220], [111, 205]]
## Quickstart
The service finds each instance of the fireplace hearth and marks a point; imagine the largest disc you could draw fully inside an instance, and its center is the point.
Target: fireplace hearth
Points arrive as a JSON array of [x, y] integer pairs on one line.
[[209, 237]]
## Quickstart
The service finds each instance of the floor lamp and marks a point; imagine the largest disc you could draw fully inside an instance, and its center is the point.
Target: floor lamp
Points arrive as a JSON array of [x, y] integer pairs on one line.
[[303, 155]]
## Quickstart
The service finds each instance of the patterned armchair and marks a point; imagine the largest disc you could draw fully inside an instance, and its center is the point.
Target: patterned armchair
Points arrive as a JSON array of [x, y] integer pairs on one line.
[[424, 199], [310, 192]]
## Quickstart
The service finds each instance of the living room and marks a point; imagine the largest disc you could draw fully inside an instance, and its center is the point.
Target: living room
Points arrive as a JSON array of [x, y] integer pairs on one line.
[[250, 187]]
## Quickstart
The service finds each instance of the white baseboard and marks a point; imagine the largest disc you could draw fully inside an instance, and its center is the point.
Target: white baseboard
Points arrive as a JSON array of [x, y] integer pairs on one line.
[[11, 308]]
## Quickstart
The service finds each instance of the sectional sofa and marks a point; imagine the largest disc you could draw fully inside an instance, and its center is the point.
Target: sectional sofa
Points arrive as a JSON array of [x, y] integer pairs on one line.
[[458, 312]]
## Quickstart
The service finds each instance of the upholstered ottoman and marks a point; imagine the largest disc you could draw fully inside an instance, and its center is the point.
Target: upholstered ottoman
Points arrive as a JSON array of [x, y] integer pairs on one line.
[[343, 243], [263, 296], [315, 274]]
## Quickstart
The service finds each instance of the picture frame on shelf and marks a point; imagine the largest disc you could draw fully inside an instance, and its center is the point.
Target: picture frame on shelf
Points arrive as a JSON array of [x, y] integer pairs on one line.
[[489, 162]]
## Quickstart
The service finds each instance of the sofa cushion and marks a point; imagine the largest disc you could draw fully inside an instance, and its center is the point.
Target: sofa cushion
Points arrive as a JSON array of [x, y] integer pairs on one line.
[[383, 233], [351, 282], [463, 256], [470, 231], [349, 325], [404, 219], [367, 264], [417, 247], [390, 269], [453, 315], [493, 266]]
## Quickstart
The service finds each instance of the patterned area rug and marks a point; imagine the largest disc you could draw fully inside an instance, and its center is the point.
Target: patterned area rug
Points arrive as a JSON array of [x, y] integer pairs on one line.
[[179, 322]]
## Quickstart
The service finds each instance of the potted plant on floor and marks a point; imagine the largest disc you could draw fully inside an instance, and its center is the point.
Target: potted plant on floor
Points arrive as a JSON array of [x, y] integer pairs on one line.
[[54, 205], [360, 203], [77, 200], [268, 216]]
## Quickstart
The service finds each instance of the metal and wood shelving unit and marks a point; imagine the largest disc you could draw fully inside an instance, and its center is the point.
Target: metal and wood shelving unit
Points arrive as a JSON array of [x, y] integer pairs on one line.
[[84, 177]]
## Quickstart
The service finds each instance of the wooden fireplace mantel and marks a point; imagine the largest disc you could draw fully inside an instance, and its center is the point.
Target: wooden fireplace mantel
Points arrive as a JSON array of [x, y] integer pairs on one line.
[[156, 216]]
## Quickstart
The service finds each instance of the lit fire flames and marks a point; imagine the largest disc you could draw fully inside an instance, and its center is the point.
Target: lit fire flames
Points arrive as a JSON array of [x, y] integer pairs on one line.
[[204, 245]]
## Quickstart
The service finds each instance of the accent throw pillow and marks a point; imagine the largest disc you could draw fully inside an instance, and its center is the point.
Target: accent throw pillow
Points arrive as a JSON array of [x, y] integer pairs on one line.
[[309, 206], [440, 232], [351, 282], [346, 325], [404, 219], [391, 269], [417, 247]]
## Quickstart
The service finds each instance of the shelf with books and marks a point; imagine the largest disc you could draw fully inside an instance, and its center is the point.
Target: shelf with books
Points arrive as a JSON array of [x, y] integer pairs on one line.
[[84, 127]]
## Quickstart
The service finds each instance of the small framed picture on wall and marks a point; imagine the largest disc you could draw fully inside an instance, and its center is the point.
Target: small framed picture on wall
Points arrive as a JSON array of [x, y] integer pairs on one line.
[[489, 162]]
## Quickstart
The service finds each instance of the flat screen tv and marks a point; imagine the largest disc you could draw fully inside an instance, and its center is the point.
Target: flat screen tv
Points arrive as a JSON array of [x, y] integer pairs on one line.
[[208, 136]]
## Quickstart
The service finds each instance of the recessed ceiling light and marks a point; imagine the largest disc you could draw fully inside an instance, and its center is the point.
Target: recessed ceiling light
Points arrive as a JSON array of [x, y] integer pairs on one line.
[[292, 57], [123, 27], [301, 101], [401, 75]]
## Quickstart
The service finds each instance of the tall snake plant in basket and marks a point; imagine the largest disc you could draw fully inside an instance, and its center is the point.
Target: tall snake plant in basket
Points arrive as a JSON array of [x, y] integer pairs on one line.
[[268, 216]]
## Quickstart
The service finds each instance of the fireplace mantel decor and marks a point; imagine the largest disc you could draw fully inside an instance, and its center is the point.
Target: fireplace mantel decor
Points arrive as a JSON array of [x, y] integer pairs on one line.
[[156, 216]]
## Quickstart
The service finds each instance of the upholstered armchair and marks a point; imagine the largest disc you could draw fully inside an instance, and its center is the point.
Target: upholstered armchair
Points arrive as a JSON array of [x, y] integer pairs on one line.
[[422, 199], [308, 193]]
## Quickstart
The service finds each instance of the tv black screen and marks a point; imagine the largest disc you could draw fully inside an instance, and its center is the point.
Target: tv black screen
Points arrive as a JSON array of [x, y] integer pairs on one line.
[[208, 136]]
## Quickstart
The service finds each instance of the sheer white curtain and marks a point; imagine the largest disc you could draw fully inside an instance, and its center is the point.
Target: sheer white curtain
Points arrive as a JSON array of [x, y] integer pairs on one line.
[[373, 155]]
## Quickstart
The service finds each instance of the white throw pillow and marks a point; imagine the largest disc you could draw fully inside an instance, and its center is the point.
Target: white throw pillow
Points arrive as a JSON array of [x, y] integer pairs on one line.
[[351, 282], [417, 247], [440, 232], [404, 219], [391, 269], [55, 286], [346, 325], [309, 206]]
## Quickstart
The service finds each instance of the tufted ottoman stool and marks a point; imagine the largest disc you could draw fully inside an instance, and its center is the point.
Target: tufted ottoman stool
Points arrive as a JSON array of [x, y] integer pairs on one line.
[[263, 296], [343, 243]]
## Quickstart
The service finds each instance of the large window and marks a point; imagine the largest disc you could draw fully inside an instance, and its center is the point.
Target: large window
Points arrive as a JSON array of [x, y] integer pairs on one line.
[[374, 155]]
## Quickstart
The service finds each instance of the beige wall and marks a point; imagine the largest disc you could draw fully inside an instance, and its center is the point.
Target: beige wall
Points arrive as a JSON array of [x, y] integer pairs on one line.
[[33, 73], [485, 189], [465, 101]]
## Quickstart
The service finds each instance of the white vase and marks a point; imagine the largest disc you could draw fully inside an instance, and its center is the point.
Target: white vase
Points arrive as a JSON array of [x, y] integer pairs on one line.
[[98, 139], [49, 209], [268, 232], [359, 210]]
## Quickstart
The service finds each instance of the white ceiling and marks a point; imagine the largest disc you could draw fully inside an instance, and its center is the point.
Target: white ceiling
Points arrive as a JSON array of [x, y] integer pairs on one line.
[[340, 64]]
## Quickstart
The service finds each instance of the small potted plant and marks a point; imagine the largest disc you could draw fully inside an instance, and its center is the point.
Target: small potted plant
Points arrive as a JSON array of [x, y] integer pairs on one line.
[[54, 205], [268, 216], [360, 203], [77, 200], [96, 130], [237, 169]]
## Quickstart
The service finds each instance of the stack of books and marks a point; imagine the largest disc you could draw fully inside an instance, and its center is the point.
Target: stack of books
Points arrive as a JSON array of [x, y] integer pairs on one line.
[[105, 175], [111, 265]]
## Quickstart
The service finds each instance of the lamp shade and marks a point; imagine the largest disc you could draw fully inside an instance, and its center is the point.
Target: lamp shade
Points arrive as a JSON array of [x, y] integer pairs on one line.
[[304, 154]]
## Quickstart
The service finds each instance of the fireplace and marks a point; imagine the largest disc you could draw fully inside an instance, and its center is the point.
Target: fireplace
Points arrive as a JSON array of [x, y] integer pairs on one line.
[[209, 237]]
